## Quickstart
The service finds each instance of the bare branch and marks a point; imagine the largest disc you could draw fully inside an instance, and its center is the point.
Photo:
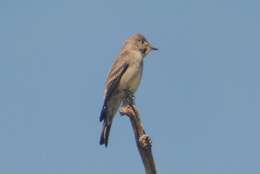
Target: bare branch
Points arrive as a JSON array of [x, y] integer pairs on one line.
[[143, 141]]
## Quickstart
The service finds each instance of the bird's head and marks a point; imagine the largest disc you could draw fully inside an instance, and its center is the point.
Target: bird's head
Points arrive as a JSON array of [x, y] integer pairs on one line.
[[139, 42]]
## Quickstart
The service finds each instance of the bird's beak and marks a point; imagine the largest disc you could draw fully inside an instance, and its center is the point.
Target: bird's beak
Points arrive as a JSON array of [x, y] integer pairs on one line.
[[153, 48]]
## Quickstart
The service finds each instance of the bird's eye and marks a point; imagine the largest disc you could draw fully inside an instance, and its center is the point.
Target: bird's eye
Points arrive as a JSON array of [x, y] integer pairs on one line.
[[141, 41]]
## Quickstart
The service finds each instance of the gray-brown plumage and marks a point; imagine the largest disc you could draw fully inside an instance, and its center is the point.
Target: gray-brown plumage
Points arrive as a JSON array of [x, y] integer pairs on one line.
[[124, 76]]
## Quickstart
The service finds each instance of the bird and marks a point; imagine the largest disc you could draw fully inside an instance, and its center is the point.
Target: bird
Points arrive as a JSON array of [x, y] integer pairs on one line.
[[124, 76]]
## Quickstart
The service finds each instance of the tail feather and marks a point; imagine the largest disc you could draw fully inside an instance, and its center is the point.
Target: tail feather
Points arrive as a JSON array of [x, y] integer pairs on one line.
[[103, 112], [106, 125], [105, 134]]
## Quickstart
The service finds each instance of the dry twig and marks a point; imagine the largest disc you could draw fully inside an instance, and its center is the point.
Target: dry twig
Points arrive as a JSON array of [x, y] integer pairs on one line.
[[143, 141]]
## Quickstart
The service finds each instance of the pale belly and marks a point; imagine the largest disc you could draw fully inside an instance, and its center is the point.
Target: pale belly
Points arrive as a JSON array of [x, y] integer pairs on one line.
[[134, 82], [131, 79]]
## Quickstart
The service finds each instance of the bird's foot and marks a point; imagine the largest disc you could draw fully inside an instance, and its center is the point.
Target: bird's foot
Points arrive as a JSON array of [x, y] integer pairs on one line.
[[127, 110], [145, 141]]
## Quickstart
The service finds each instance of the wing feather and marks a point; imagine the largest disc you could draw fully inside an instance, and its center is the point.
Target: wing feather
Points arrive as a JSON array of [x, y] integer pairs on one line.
[[117, 71]]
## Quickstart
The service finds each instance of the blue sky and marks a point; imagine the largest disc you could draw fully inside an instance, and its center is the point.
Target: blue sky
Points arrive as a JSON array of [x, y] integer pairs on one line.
[[199, 98]]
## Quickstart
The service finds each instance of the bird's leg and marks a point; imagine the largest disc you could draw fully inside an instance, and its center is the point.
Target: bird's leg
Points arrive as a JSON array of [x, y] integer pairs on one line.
[[128, 104], [129, 96]]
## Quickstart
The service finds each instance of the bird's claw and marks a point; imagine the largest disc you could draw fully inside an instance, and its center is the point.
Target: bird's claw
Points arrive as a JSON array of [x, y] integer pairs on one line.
[[127, 110]]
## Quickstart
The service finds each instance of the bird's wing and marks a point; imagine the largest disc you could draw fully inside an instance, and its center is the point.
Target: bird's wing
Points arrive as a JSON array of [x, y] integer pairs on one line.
[[116, 72]]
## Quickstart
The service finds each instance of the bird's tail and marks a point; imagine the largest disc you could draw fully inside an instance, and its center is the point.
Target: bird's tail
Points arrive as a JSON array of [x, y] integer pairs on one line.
[[105, 133]]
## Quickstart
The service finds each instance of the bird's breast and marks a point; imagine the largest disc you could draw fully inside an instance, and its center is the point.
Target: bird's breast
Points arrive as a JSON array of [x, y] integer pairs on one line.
[[134, 82], [132, 77]]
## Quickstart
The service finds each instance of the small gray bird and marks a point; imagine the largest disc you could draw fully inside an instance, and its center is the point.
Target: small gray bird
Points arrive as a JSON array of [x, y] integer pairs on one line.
[[125, 75]]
